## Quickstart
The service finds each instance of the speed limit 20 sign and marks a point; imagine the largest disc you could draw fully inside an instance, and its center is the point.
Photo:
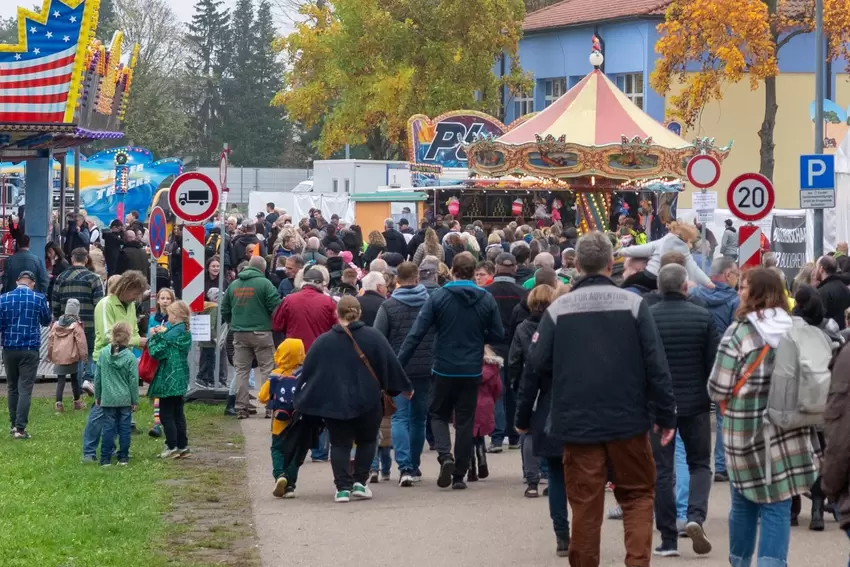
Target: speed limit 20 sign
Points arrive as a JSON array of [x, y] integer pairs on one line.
[[750, 196]]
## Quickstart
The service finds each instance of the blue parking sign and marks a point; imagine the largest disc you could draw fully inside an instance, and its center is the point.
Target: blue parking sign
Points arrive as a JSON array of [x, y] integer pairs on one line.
[[817, 171]]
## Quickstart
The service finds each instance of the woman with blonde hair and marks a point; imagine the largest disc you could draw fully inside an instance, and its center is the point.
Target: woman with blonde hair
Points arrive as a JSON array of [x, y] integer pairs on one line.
[[351, 402], [680, 239], [431, 247], [765, 472], [377, 246]]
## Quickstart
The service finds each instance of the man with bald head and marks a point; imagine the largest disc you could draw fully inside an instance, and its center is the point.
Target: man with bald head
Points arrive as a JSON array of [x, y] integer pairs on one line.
[[133, 255], [248, 306]]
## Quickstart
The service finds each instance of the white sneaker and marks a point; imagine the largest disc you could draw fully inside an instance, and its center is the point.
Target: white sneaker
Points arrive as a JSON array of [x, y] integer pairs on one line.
[[168, 453], [361, 492], [88, 387], [405, 480]]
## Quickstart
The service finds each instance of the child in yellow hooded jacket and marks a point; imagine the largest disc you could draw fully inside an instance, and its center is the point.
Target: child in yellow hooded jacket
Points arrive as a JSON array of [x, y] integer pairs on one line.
[[280, 389]]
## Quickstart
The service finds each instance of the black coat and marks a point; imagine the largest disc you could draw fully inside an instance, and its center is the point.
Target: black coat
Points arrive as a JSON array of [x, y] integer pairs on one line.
[[654, 297], [133, 257], [690, 341], [395, 319], [372, 253], [418, 238], [602, 387], [239, 248], [336, 384], [370, 302], [507, 295], [396, 242], [112, 243], [836, 298], [533, 387]]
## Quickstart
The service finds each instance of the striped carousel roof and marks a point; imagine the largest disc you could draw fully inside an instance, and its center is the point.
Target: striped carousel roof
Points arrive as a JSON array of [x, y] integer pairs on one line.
[[593, 113]]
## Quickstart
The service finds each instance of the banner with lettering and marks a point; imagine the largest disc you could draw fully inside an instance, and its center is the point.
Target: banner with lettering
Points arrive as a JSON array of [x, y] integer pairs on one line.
[[788, 241]]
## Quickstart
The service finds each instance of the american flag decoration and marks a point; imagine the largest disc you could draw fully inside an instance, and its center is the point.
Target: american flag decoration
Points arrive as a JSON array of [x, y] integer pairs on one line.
[[57, 73]]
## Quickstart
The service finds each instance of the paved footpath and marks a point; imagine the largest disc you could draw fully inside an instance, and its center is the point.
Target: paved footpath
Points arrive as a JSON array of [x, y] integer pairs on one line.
[[426, 526]]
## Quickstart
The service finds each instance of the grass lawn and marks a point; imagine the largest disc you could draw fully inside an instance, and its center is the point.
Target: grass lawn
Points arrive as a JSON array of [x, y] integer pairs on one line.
[[57, 512]]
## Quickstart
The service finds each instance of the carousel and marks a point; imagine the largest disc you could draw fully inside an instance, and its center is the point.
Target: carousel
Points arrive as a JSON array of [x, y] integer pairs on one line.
[[590, 157]]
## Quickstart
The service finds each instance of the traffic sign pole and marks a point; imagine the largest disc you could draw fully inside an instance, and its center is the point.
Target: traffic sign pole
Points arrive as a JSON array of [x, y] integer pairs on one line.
[[222, 250], [156, 239], [703, 172], [820, 61]]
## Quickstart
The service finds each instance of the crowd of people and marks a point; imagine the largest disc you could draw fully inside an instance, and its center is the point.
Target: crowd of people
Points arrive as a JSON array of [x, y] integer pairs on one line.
[[600, 358]]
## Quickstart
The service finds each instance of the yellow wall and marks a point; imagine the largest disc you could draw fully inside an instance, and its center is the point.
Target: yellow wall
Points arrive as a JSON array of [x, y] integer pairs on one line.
[[371, 216], [739, 116]]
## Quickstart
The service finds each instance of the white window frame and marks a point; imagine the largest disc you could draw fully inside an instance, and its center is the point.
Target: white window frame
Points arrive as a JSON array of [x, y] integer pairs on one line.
[[553, 90], [632, 86], [523, 104]]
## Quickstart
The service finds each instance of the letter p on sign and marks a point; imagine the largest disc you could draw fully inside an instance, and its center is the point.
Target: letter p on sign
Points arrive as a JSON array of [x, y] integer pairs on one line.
[[817, 171]]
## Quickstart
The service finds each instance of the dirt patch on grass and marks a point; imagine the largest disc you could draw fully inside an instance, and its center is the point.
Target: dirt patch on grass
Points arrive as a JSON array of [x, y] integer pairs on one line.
[[210, 516]]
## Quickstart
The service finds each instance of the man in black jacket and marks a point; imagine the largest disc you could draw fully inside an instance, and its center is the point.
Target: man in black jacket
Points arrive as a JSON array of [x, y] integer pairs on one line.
[[113, 240], [508, 295], [395, 319], [395, 240], [76, 234], [466, 318], [690, 339], [833, 291], [133, 256], [374, 294], [418, 238], [601, 392]]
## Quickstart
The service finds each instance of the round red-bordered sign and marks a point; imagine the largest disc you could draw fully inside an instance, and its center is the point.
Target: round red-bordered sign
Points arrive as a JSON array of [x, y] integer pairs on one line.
[[193, 197], [703, 171], [157, 225], [750, 196]]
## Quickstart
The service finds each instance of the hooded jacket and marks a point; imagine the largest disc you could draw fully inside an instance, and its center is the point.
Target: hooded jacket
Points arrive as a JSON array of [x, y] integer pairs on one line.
[[729, 242], [602, 390], [524, 273], [288, 358], [721, 302], [395, 319], [507, 295], [324, 391], [305, 315], [116, 379], [66, 343], [396, 242], [689, 337], [466, 318], [413, 245], [249, 302], [239, 247], [489, 392]]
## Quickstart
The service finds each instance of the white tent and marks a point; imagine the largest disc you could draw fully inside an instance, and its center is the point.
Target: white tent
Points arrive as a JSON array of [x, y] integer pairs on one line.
[[838, 218]]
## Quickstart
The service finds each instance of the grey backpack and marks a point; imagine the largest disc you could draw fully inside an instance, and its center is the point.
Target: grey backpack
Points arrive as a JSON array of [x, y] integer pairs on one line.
[[799, 385]]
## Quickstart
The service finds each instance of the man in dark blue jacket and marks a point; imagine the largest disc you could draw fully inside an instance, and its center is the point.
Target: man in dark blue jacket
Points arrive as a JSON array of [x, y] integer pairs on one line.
[[601, 347], [466, 318], [25, 261], [395, 318]]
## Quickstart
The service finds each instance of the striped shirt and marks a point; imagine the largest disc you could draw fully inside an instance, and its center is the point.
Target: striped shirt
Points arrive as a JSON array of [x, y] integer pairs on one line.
[[81, 284], [22, 314]]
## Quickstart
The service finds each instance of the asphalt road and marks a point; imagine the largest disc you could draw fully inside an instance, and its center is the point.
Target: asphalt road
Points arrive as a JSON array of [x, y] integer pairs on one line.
[[490, 524]]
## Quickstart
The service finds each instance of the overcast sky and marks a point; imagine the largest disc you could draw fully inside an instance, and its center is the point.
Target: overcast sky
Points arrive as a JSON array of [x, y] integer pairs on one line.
[[183, 8]]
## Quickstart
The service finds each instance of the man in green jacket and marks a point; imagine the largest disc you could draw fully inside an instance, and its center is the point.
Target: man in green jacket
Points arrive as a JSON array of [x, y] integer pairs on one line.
[[248, 306]]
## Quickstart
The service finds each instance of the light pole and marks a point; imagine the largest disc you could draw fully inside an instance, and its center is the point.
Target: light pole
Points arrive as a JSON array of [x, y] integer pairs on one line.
[[820, 59]]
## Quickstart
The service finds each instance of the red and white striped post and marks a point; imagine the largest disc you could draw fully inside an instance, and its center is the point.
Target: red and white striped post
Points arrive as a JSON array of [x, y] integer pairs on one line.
[[193, 267], [749, 246]]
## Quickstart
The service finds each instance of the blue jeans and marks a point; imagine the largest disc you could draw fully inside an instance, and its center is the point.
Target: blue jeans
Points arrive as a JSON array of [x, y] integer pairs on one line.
[[86, 370], [719, 453], [92, 432], [745, 517], [408, 426], [116, 421], [505, 410], [558, 497], [384, 454], [683, 479], [320, 451]]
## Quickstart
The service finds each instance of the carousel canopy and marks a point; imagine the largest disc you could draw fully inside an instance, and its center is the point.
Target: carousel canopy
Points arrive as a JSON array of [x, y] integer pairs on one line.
[[592, 131]]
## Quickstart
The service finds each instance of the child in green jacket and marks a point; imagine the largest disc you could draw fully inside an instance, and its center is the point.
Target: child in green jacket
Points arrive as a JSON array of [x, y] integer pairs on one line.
[[170, 345], [116, 390]]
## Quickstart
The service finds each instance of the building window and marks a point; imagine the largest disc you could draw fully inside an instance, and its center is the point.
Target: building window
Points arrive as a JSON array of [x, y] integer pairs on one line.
[[555, 89], [574, 80], [523, 104], [632, 86], [347, 185], [336, 185]]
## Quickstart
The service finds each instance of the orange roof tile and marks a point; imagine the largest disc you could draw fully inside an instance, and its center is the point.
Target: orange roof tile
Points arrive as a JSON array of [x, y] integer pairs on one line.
[[574, 12]]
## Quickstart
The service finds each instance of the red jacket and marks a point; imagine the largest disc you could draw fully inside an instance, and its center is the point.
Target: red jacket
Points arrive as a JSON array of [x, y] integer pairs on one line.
[[489, 391], [305, 315]]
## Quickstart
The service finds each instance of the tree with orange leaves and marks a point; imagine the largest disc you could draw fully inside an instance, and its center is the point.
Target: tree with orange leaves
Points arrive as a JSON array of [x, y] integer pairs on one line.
[[728, 39]]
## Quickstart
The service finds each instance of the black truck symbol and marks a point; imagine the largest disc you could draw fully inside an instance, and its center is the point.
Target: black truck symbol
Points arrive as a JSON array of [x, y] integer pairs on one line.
[[199, 197]]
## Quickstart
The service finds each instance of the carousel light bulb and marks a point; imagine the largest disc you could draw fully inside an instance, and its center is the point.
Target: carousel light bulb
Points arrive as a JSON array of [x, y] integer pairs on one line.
[[596, 59], [593, 180]]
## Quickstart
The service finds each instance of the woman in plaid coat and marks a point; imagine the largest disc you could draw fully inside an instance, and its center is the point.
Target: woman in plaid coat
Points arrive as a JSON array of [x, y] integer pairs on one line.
[[749, 346]]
